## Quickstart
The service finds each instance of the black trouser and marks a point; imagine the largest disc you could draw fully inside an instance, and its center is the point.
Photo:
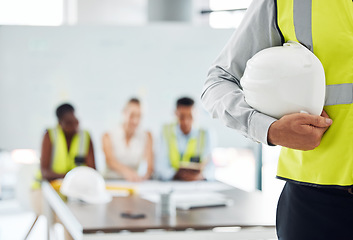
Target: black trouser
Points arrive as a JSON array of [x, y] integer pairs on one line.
[[310, 213]]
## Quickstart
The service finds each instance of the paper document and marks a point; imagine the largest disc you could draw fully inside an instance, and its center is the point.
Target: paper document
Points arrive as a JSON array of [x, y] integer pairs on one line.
[[187, 200], [160, 187]]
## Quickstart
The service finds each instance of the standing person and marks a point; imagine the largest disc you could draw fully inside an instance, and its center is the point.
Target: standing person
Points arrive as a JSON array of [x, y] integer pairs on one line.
[[182, 143], [317, 200], [127, 147], [65, 146]]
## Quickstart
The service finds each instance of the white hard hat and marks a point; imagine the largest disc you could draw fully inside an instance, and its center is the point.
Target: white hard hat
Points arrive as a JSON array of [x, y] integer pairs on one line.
[[86, 184], [282, 80]]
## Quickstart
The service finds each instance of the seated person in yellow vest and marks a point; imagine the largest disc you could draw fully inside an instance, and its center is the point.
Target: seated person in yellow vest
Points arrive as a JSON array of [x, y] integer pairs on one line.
[[128, 149], [185, 151], [65, 146]]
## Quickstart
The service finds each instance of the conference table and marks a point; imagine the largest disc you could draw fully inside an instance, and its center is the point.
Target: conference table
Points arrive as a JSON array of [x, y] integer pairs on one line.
[[246, 211]]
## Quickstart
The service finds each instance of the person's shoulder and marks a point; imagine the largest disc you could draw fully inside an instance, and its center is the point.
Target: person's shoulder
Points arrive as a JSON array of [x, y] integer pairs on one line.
[[50, 129], [46, 134], [51, 132], [264, 2], [262, 5], [49, 135]]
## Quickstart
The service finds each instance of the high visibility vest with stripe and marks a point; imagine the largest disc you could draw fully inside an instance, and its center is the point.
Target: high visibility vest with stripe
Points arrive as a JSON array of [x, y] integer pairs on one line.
[[326, 28], [194, 148], [62, 160]]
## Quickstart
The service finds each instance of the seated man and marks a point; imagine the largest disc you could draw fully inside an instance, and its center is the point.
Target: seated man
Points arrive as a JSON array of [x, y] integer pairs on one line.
[[185, 152], [65, 146]]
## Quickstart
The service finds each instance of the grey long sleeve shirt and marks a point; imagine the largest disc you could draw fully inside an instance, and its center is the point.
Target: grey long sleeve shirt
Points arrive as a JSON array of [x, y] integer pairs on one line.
[[222, 94]]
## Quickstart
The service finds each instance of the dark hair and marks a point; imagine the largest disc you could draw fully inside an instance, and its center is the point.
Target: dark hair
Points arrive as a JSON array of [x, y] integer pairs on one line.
[[63, 109], [133, 100], [185, 101]]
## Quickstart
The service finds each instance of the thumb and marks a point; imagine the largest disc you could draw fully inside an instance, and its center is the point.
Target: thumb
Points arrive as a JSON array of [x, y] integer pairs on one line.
[[318, 121]]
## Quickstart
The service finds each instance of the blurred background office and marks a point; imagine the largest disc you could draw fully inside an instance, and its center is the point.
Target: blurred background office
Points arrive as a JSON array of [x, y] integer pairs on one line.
[[96, 54]]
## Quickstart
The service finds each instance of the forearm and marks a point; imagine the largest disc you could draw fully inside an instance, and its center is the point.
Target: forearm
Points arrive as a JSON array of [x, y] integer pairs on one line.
[[117, 166], [224, 99]]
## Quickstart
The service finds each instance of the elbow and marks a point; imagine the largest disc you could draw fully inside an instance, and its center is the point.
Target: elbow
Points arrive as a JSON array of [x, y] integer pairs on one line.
[[209, 99], [218, 84]]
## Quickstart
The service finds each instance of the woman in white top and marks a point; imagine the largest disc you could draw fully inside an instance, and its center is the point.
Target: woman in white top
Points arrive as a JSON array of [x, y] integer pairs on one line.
[[127, 147]]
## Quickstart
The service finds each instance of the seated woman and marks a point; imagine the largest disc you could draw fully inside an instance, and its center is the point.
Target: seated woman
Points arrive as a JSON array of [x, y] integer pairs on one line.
[[127, 147], [65, 146]]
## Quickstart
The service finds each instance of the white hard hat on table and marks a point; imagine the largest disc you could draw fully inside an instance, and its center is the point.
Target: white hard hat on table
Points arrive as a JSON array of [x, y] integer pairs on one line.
[[282, 80], [85, 184]]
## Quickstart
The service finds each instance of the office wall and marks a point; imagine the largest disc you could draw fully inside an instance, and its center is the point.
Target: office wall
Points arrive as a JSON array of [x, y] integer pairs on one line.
[[98, 69]]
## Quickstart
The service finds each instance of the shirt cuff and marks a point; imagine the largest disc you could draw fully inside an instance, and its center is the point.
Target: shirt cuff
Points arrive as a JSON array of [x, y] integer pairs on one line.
[[259, 125]]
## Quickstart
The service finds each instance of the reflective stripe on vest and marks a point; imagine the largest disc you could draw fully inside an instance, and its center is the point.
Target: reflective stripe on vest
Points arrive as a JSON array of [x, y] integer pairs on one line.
[[194, 148], [302, 22], [62, 160], [326, 28]]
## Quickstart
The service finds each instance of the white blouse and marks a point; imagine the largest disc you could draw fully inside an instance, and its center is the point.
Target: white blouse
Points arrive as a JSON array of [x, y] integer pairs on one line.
[[131, 155]]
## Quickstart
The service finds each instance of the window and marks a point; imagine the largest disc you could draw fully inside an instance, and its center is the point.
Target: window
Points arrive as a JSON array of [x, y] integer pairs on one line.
[[31, 12], [227, 14]]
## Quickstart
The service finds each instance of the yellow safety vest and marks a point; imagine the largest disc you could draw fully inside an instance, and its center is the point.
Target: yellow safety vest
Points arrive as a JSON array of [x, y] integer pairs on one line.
[[62, 160], [194, 148], [326, 28]]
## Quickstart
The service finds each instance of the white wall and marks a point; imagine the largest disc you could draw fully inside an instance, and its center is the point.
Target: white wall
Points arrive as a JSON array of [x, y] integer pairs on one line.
[[98, 69], [110, 12]]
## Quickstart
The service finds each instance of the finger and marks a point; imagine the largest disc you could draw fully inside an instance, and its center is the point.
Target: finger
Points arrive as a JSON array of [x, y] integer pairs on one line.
[[324, 114], [316, 121], [310, 129]]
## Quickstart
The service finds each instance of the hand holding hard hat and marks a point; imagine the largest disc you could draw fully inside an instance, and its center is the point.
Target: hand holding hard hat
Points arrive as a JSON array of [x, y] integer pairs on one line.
[[299, 130], [282, 80], [85, 184]]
